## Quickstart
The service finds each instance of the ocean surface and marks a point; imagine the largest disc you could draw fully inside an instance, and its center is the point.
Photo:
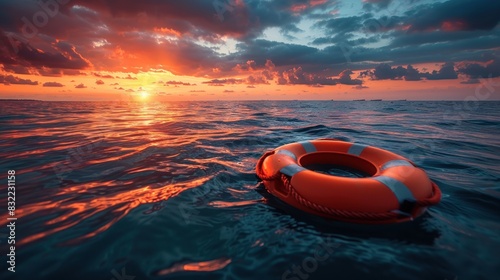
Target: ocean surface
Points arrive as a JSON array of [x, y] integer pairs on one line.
[[149, 190]]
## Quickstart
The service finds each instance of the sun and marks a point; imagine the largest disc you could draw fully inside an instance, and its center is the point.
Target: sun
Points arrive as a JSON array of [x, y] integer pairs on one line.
[[144, 95]]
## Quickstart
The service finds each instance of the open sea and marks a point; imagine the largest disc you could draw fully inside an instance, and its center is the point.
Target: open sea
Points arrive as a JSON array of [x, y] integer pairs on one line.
[[148, 190]]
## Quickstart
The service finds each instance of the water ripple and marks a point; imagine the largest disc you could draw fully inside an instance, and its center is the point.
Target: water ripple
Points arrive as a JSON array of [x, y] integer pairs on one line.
[[168, 190]]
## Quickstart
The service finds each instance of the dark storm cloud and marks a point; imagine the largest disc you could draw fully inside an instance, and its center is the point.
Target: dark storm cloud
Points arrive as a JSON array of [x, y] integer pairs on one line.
[[236, 18], [10, 79], [451, 25], [412, 74], [386, 72], [294, 76], [172, 35], [475, 71], [17, 69], [281, 54], [345, 78], [457, 15], [193, 13], [446, 72], [343, 24], [60, 54], [297, 76], [415, 39], [345, 39], [49, 72], [472, 49]]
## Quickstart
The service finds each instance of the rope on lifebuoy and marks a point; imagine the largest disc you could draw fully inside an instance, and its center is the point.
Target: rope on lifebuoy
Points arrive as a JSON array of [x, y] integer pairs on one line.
[[334, 212]]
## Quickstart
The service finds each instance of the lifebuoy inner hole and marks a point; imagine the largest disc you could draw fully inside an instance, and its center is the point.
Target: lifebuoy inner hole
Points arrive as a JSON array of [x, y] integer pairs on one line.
[[337, 164]]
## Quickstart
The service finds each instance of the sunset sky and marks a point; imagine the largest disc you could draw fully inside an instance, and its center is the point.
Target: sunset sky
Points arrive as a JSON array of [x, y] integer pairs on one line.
[[255, 49]]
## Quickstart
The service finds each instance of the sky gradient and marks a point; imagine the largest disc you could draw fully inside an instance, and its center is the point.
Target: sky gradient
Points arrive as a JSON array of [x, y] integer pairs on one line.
[[255, 49]]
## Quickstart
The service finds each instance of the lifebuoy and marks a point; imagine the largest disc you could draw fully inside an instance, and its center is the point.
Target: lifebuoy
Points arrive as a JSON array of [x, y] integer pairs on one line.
[[395, 191]]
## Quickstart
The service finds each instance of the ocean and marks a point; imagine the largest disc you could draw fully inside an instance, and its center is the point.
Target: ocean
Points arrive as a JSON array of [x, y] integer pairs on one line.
[[167, 190]]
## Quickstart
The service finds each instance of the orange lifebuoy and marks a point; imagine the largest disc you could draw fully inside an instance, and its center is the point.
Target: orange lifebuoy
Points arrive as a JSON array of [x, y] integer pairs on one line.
[[395, 191]]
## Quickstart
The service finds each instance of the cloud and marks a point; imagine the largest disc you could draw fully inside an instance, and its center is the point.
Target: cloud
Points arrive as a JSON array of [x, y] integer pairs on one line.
[[457, 15], [103, 76], [230, 81], [360, 87], [80, 86], [297, 76], [345, 78], [128, 77], [446, 72], [370, 4], [120, 39], [10, 79], [178, 83], [281, 54], [17, 69], [386, 72], [263, 74], [99, 82], [57, 54], [53, 84], [343, 25], [412, 74], [471, 82], [255, 80], [474, 70], [73, 72], [179, 17], [228, 91]]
